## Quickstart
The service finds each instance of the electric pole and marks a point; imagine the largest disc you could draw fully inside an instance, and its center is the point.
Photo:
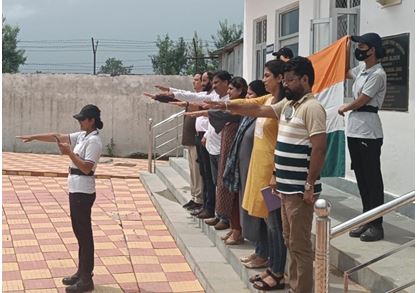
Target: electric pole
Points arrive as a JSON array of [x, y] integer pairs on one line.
[[195, 55], [94, 47]]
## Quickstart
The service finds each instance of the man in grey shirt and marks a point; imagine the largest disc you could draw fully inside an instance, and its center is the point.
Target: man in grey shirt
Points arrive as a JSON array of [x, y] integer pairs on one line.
[[364, 128]]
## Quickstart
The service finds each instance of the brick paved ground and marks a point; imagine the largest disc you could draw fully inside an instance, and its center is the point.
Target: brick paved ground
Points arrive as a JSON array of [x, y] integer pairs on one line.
[[134, 250]]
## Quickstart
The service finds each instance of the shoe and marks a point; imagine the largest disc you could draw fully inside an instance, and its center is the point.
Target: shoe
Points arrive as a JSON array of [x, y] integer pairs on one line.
[[221, 225], [373, 233], [71, 280], [81, 286], [263, 286], [194, 206], [226, 236], [358, 231], [204, 214], [188, 204], [196, 212], [212, 221]]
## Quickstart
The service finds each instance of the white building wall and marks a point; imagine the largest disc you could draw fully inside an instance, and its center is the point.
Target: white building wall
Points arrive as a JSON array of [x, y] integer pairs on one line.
[[398, 153]]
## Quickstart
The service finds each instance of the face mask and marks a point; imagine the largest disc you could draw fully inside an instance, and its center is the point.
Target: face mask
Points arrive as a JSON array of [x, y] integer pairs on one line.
[[361, 55]]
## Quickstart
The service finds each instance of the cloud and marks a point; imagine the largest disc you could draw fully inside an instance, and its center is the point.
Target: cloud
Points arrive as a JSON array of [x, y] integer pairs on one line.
[[17, 12]]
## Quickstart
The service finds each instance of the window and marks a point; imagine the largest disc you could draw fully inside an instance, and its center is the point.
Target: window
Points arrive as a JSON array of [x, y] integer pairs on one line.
[[287, 22], [260, 31]]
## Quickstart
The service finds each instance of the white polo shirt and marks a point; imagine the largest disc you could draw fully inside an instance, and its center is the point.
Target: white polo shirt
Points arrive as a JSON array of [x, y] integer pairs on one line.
[[89, 148], [371, 82]]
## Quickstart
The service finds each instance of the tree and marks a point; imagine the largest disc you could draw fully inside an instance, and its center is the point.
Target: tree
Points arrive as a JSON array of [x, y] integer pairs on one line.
[[171, 58], [12, 58], [115, 67], [226, 34], [200, 51]]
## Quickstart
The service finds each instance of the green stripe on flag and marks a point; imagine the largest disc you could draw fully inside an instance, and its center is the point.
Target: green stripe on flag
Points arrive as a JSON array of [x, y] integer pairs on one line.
[[334, 165]]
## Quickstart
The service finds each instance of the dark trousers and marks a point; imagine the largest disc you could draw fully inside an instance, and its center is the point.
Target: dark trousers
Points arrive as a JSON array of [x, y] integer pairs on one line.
[[209, 188], [277, 248], [80, 209], [365, 161]]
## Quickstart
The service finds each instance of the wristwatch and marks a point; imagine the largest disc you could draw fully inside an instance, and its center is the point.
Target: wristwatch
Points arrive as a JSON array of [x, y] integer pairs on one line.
[[308, 186]]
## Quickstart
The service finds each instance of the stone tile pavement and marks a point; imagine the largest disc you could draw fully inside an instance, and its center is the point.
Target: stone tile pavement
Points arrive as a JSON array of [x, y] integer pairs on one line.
[[134, 250]]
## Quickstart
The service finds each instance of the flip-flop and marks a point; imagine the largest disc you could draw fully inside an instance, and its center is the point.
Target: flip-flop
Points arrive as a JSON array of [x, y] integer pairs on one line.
[[226, 236], [267, 287]]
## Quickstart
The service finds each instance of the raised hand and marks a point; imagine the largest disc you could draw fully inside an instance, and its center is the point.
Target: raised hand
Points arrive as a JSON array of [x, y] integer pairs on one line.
[[220, 105], [197, 113], [25, 138], [149, 95], [180, 104], [64, 148], [162, 88]]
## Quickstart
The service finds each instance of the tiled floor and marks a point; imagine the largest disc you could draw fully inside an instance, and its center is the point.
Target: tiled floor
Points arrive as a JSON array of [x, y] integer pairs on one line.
[[134, 250]]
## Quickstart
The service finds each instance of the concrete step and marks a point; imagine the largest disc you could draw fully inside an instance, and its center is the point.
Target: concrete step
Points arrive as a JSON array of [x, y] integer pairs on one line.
[[179, 187], [345, 252], [181, 165], [211, 268], [231, 253]]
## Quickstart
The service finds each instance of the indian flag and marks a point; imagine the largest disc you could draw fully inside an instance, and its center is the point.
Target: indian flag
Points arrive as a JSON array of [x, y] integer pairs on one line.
[[329, 66]]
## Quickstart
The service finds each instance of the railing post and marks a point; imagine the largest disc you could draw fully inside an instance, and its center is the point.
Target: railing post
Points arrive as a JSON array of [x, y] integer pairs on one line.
[[323, 229], [177, 136], [150, 144]]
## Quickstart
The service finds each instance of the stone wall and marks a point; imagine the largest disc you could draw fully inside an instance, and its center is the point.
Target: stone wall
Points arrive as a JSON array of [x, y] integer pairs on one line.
[[39, 103]]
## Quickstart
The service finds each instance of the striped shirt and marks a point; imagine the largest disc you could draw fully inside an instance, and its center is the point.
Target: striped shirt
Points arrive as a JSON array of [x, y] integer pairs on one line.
[[293, 148]]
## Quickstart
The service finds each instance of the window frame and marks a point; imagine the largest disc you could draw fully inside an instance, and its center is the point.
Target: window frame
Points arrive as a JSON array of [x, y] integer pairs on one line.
[[281, 41]]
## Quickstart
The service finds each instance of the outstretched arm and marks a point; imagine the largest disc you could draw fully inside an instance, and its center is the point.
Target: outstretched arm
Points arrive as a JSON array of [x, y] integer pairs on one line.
[[45, 137]]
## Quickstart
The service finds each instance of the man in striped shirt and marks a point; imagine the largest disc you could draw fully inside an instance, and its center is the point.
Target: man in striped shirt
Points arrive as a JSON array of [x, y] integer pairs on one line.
[[299, 156]]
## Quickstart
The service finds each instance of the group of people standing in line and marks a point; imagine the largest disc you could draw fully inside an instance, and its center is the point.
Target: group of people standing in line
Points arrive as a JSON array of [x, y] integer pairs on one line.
[[272, 132], [269, 133]]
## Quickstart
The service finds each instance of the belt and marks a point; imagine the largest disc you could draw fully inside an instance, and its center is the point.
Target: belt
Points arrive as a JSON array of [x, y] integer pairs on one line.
[[367, 108], [75, 171]]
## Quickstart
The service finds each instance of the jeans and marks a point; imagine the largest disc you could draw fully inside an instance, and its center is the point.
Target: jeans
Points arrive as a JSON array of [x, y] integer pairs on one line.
[[277, 248], [262, 246], [80, 210]]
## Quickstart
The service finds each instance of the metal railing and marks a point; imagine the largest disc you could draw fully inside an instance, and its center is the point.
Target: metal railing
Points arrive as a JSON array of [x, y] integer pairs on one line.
[[154, 135], [324, 233]]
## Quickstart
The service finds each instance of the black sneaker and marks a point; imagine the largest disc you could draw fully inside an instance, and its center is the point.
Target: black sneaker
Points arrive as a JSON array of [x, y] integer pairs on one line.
[[81, 286], [358, 231], [373, 233], [194, 206], [191, 202], [71, 280]]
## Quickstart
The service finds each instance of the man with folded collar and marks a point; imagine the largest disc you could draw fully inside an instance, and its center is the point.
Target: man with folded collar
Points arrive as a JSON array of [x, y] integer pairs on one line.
[[364, 128]]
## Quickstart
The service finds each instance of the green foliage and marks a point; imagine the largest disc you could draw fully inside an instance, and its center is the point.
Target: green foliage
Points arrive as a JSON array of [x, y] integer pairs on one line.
[[226, 34], [171, 58], [12, 58], [115, 67], [110, 148]]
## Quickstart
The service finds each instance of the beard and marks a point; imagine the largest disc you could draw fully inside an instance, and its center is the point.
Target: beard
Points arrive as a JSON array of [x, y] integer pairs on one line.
[[294, 95], [208, 87]]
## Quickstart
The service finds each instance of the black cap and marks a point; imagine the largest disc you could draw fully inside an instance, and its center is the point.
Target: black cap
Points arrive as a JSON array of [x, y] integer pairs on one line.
[[88, 111], [372, 40], [285, 52]]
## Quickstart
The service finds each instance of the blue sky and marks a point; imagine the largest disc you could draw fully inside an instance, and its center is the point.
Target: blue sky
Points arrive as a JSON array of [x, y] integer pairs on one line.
[[125, 29]]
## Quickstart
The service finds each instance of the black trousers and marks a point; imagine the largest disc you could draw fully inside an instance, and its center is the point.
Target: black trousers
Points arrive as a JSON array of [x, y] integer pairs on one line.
[[209, 188], [365, 161], [80, 209]]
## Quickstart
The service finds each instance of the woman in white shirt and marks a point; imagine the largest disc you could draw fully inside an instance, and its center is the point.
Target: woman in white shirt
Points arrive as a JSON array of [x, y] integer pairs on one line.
[[84, 149]]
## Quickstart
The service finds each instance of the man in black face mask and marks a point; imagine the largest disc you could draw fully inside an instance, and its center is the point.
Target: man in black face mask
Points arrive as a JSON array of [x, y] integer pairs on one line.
[[364, 129]]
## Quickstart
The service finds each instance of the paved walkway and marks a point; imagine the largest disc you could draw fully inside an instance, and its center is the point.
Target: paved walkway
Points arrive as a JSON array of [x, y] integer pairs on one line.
[[134, 250]]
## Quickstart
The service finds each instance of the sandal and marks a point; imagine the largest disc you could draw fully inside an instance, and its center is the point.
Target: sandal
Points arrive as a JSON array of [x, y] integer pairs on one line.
[[266, 287], [226, 236], [259, 277], [249, 258], [232, 241], [256, 263]]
